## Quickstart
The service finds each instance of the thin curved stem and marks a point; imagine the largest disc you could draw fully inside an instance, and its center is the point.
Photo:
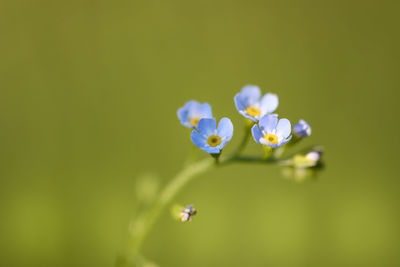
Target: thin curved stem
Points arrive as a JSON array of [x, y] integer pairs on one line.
[[245, 139], [139, 228]]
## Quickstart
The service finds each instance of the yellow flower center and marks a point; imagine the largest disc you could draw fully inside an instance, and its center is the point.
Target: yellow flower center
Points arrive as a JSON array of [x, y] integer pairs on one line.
[[214, 140], [194, 121], [271, 138], [253, 111]]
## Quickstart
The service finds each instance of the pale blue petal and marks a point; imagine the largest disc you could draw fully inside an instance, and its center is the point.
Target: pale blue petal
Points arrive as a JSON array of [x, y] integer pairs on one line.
[[268, 123], [249, 95], [257, 134], [198, 139], [183, 116], [191, 109], [225, 128], [225, 131], [285, 141], [244, 113], [191, 105], [203, 110], [222, 145], [238, 103], [207, 126], [211, 150], [283, 128], [269, 103]]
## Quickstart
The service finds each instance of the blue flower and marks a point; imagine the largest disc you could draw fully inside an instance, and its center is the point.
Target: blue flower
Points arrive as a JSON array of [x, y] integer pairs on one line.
[[210, 138], [191, 113], [301, 129], [271, 131], [248, 102]]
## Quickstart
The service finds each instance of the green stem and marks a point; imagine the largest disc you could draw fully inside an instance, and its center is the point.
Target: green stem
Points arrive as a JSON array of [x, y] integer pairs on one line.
[[244, 141], [139, 228]]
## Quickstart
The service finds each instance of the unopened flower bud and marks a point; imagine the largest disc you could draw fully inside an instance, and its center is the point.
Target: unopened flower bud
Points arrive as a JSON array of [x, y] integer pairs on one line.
[[301, 129]]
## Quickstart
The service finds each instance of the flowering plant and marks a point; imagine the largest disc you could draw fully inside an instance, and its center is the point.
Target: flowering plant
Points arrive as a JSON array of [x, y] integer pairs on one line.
[[273, 134]]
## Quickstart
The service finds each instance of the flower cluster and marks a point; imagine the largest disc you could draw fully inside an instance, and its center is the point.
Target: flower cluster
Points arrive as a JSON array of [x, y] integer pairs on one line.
[[267, 129]]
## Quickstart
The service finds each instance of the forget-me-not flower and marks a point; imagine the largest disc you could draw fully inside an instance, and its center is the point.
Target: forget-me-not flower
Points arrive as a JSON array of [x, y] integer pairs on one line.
[[271, 131], [301, 129], [191, 113], [249, 104], [210, 138]]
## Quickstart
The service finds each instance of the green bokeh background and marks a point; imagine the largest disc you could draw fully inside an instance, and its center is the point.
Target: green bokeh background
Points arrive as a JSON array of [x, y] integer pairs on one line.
[[88, 100]]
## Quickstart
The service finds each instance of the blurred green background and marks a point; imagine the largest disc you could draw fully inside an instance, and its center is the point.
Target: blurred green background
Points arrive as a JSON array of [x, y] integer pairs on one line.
[[88, 100]]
